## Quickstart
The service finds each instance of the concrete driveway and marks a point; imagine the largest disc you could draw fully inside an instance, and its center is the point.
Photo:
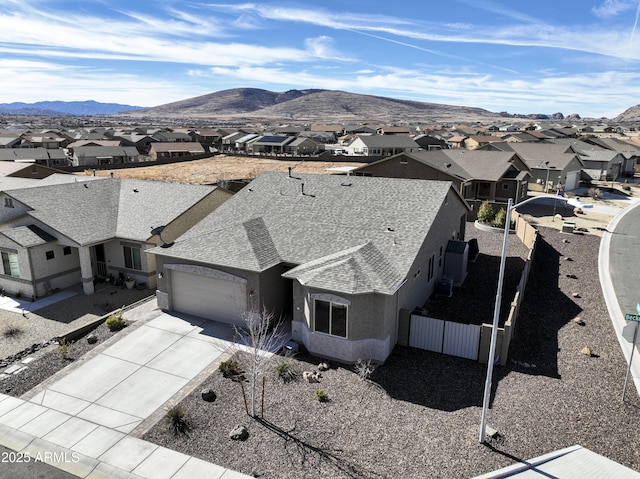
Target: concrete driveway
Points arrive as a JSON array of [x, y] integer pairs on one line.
[[97, 410]]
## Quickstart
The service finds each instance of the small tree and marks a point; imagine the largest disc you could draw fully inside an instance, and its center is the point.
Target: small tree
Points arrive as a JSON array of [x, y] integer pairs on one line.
[[486, 213], [263, 335]]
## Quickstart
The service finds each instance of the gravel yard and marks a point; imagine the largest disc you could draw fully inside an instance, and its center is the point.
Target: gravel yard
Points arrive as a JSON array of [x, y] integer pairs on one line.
[[59, 318], [419, 414]]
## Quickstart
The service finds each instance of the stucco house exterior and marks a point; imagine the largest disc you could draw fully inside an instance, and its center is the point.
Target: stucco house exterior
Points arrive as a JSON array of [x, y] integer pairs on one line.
[[101, 229], [339, 257], [549, 164], [478, 175]]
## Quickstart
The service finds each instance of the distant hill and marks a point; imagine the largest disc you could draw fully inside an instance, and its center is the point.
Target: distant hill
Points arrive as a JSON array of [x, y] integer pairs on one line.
[[312, 105], [630, 114], [52, 108]]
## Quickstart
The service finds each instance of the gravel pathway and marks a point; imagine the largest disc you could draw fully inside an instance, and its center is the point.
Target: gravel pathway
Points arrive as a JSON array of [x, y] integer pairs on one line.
[[419, 414]]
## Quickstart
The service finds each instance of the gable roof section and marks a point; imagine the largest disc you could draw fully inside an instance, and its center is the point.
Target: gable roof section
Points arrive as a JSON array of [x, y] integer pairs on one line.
[[89, 212], [27, 236], [388, 141], [353, 234], [536, 154]]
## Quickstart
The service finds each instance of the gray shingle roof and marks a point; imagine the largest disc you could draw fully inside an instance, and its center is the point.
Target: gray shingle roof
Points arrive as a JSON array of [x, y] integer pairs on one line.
[[27, 236], [106, 208], [347, 234]]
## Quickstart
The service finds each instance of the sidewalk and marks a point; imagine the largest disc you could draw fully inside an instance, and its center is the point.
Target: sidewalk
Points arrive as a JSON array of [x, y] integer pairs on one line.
[[88, 418]]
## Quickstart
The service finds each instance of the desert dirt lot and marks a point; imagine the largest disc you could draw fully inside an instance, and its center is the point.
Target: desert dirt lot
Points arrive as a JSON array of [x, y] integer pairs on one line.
[[218, 168]]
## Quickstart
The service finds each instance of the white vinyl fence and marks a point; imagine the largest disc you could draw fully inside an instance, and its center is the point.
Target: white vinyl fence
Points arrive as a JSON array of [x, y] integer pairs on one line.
[[447, 337]]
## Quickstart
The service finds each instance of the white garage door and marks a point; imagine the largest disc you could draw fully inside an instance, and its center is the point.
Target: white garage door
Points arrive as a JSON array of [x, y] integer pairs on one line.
[[208, 297], [572, 180]]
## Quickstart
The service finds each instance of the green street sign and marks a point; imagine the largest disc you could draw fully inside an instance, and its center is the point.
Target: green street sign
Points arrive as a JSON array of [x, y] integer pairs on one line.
[[631, 317]]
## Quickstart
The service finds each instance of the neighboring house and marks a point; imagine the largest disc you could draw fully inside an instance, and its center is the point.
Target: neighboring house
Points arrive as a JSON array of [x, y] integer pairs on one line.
[[629, 151], [549, 164], [63, 234], [379, 145], [10, 141], [142, 142], [270, 144], [41, 156], [104, 155], [478, 175], [478, 141], [303, 146], [25, 170], [159, 151], [242, 143], [172, 137], [428, 142], [337, 256], [599, 163]]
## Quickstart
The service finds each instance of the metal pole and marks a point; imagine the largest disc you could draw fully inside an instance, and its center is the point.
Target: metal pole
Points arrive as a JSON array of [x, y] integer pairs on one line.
[[633, 348], [494, 329], [546, 183]]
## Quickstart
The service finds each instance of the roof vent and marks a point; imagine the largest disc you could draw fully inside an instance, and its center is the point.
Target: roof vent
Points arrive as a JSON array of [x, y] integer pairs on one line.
[[304, 193], [344, 183]]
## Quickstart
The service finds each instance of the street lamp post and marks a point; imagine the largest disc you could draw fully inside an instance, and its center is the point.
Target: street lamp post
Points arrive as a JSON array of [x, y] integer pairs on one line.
[[496, 317]]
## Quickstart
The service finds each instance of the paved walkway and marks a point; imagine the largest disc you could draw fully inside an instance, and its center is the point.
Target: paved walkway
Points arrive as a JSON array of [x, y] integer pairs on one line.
[[88, 418]]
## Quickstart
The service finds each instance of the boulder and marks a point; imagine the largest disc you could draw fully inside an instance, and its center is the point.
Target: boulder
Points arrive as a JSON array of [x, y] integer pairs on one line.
[[311, 376], [323, 367], [92, 339], [239, 433], [208, 395]]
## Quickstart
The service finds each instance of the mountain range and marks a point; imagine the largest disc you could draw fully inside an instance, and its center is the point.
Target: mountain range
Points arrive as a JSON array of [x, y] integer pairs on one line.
[[55, 108], [311, 105]]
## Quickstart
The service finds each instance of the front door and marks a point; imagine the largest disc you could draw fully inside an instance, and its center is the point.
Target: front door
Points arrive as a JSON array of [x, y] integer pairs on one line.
[[100, 266]]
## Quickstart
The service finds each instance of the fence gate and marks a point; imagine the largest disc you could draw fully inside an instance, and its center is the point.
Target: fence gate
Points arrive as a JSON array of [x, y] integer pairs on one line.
[[447, 337]]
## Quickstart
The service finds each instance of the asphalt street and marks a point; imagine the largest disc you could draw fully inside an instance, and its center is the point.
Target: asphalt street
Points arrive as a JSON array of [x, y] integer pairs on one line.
[[624, 260]]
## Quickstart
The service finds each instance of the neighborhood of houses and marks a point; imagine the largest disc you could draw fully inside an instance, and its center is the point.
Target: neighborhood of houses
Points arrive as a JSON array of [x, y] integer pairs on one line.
[[340, 255]]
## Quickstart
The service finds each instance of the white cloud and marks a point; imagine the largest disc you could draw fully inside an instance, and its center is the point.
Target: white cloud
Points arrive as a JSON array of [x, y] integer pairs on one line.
[[612, 8]]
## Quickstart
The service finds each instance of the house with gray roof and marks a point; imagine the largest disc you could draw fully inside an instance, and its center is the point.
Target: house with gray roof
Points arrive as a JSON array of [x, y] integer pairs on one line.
[[339, 257], [379, 145], [478, 175], [88, 229], [104, 155], [599, 163], [549, 164]]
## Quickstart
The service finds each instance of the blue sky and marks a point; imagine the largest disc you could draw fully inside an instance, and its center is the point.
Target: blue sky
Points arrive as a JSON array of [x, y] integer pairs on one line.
[[569, 56]]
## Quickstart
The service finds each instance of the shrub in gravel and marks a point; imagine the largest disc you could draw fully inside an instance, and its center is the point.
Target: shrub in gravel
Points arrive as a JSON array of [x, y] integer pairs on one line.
[[286, 370], [364, 368], [177, 419], [321, 395], [63, 348], [230, 369], [11, 330], [116, 322]]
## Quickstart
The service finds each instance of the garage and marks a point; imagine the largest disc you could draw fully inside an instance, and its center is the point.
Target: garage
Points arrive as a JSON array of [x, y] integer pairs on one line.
[[210, 294], [571, 182]]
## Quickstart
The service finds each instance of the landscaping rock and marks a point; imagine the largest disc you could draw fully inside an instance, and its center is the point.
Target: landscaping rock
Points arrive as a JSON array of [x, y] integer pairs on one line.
[[239, 433], [576, 295], [92, 339], [323, 367], [311, 376], [208, 395], [586, 351]]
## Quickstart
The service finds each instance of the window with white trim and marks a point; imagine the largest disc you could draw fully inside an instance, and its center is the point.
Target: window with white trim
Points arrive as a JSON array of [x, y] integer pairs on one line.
[[132, 257], [10, 264], [330, 317]]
